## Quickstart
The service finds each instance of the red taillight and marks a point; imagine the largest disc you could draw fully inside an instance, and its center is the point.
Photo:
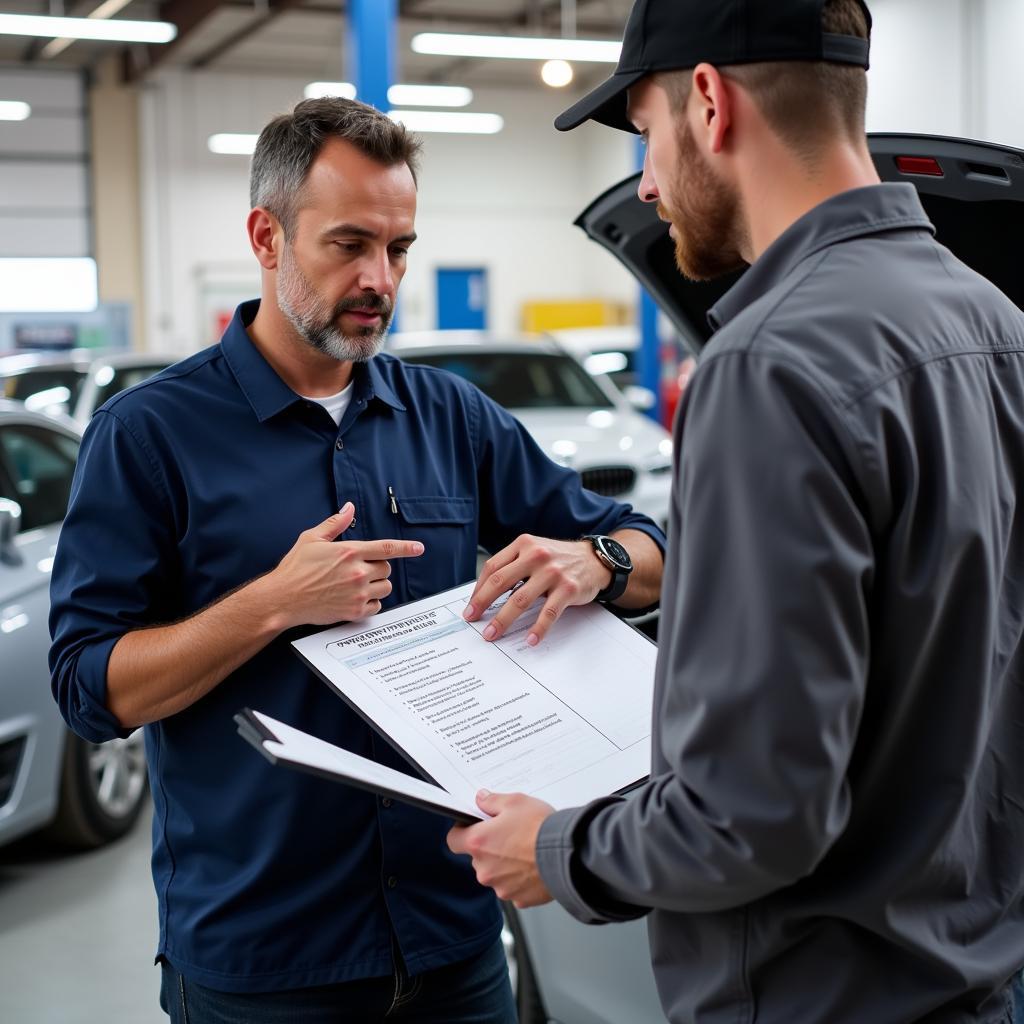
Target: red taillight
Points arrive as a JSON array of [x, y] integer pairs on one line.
[[919, 165]]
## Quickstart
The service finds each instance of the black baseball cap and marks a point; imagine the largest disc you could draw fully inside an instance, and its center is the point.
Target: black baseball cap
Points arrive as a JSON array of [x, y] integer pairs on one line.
[[670, 35]]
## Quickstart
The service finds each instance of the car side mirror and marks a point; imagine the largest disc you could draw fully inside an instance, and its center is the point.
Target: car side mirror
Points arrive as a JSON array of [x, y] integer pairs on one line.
[[10, 523], [642, 399]]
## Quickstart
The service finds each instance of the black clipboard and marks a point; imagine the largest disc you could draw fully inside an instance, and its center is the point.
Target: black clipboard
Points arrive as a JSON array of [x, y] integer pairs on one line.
[[251, 729]]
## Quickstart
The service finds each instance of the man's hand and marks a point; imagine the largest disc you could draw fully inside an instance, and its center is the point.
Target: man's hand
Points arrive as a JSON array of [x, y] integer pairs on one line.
[[321, 582], [503, 847], [565, 572]]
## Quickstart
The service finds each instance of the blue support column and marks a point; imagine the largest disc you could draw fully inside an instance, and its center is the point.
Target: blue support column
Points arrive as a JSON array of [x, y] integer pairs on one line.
[[650, 347], [372, 42], [372, 34]]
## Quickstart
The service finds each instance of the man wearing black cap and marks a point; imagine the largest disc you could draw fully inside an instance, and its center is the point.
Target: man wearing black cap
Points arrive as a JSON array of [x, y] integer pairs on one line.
[[833, 829]]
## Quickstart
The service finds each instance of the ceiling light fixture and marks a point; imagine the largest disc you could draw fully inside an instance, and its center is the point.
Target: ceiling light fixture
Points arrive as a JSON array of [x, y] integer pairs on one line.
[[14, 110], [450, 44], [232, 143], [243, 144], [324, 90], [105, 10], [399, 95], [447, 121], [430, 95], [87, 28], [556, 73]]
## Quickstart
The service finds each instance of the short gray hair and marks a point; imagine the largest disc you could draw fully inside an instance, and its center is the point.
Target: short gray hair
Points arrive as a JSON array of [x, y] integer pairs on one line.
[[289, 145]]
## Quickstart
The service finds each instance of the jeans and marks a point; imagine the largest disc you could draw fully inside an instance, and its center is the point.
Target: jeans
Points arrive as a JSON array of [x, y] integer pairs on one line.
[[1017, 998], [474, 991]]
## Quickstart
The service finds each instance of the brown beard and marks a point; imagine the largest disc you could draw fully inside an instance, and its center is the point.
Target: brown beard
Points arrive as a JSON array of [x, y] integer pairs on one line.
[[705, 213]]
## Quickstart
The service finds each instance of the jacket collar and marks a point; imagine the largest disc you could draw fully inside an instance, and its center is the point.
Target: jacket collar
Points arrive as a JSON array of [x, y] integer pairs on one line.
[[857, 213], [263, 388]]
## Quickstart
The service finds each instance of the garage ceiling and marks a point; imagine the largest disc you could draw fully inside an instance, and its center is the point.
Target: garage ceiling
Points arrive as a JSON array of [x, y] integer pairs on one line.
[[306, 37]]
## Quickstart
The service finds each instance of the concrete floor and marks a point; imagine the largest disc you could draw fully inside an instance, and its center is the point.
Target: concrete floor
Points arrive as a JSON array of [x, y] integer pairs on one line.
[[77, 934]]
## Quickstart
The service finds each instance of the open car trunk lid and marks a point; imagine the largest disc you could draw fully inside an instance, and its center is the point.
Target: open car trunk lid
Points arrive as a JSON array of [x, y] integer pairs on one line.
[[973, 192]]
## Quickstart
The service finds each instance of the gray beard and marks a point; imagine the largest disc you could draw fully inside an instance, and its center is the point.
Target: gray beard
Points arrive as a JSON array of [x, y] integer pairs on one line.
[[315, 321]]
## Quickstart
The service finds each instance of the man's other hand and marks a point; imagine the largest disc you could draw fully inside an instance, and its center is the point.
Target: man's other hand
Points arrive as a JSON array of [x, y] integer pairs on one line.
[[321, 581], [503, 847], [565, 572]]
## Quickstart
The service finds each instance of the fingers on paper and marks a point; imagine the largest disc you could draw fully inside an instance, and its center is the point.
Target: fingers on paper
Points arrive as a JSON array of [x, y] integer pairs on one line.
[[496, 578]]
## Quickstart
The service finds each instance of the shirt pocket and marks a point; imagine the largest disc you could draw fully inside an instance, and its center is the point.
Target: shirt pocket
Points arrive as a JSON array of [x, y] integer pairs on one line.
[[447, 528]]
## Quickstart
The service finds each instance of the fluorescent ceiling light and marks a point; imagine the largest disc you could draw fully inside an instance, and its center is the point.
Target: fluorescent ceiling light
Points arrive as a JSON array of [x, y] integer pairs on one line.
[[14, 110], [105, 10], [48, 285], [240, 144], [430, 96], [399, 95], [321, 90], [446, 121], [232, 143], [451, 44], [87, 28]]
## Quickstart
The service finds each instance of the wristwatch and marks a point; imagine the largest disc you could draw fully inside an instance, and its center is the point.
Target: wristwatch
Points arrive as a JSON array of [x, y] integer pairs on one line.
[[616, 558]]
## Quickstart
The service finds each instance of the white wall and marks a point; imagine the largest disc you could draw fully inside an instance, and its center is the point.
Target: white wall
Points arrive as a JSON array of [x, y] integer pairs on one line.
[[1000, 71], [507, 202], [917, 79]]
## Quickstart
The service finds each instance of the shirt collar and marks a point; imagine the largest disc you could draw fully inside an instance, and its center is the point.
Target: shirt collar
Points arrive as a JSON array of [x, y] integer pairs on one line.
[[854, 214], [263, 388]]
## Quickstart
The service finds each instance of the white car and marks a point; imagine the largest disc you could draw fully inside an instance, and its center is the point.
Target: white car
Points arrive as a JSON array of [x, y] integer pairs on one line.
[[581, 421], [77, 382]]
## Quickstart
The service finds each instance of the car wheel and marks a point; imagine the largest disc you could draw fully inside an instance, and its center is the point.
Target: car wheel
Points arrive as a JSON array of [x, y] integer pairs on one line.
[[103, 787], [520, 971]]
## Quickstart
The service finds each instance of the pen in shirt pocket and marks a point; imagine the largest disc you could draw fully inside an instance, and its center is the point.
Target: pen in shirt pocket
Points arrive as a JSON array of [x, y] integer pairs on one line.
[[393, 500]]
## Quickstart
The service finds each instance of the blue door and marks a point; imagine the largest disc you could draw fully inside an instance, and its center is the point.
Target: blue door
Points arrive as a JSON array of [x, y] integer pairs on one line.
[[462, 299]]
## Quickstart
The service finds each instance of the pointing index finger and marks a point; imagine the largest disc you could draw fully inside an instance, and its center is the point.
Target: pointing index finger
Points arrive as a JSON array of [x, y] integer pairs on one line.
[[382, 550]]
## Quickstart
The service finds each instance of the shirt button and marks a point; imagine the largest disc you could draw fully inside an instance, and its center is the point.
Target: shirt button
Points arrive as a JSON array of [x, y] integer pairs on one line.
[[339, 444], [386, 802], [392, 881]]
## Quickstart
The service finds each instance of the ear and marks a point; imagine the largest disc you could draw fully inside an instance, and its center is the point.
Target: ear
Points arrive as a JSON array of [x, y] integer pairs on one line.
[[266, 236], [714, 104]]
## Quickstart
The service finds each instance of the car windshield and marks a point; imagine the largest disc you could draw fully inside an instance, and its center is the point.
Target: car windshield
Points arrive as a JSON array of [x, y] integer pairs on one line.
[[22, 386], [522, 380]]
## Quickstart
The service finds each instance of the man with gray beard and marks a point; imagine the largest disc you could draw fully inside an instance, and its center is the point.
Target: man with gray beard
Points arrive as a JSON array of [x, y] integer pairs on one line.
[[292, 476]]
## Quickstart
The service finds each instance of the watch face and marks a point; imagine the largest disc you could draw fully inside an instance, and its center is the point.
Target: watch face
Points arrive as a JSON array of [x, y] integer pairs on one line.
[[617, 553]]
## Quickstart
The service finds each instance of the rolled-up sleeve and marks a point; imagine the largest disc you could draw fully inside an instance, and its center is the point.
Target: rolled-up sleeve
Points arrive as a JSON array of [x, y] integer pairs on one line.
[[763, 661], [115, 552], [524, 491]]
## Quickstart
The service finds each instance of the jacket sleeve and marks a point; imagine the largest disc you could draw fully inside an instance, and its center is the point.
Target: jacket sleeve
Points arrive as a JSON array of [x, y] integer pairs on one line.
[[762, 666], [112, 571], [524, 491]]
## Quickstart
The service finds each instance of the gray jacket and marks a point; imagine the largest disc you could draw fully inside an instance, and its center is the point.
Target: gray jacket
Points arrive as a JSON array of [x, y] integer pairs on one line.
[[833, 830]]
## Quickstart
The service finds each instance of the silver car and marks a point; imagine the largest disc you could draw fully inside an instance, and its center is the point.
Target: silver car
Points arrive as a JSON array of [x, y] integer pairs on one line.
[[85, 794]]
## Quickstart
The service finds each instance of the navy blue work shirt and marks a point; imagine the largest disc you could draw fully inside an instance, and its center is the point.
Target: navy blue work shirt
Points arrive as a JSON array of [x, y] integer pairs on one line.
[[190, 485]]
